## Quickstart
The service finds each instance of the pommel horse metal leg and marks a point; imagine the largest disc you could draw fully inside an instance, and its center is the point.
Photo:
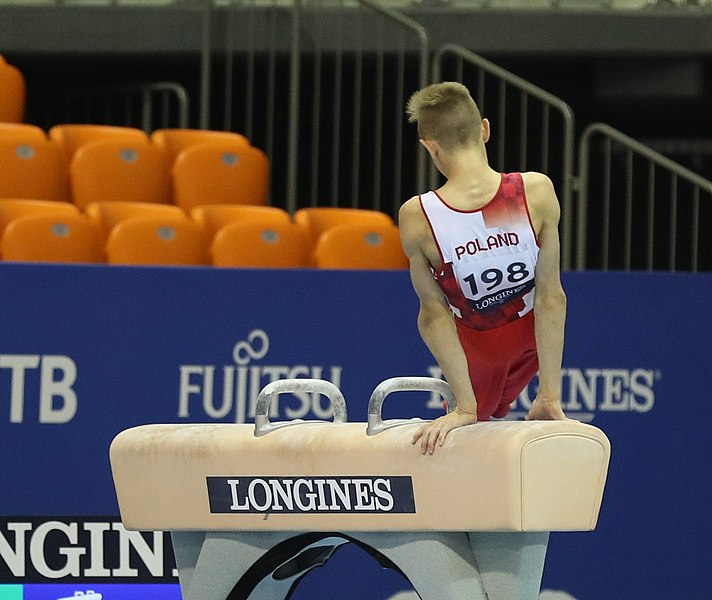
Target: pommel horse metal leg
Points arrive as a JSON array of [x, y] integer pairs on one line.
[[438, 564], [511, 563], [252, 510], [266, 565]]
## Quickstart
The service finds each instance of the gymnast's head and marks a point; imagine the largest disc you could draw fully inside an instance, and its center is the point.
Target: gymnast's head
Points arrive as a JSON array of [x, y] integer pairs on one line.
[[447, 114]]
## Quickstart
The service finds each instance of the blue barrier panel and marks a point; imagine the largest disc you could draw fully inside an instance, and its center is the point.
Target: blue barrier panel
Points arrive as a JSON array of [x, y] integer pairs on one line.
[[88, 351]]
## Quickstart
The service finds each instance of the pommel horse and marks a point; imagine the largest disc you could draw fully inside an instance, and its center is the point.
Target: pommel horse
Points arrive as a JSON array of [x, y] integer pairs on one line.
[[251, 509]]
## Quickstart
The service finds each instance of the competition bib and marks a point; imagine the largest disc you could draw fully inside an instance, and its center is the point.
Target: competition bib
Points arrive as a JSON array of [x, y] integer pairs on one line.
[[490, 281]]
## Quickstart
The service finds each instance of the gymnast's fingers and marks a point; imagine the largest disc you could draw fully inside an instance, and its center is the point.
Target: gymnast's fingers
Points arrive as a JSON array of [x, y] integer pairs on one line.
[[433, 435], [419, 433], [425, 442]]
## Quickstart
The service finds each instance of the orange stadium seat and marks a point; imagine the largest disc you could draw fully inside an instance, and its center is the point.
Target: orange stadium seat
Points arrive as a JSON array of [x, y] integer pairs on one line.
[[22, 130], [117, 170], [360, 246], [70, 238], [174, 141], [260, 245], [71, 136], [32, 168], [157, 241], [220, 173], [213, 217], [316, 220], [12, 93], [12, 208], [107, 215]]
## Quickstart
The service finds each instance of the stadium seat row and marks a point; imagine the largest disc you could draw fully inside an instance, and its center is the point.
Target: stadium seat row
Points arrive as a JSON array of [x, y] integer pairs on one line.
[[101, 163], [134, 233], [89, 193]]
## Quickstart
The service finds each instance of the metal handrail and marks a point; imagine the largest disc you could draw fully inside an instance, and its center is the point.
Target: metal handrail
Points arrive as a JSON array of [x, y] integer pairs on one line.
[[674, 169], [295, 89], [163, 87], [568, 144], [292, 39], [424, 53], [116, 105]]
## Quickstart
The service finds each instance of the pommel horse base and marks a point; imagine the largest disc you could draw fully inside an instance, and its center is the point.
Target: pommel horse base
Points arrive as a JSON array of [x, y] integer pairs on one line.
[[251, 509]]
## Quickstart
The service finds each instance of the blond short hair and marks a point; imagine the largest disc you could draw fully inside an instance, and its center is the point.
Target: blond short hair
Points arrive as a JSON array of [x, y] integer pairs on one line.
[[445, 112]]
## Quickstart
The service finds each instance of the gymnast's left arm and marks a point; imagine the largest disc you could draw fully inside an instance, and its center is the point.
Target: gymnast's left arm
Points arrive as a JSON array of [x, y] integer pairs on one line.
[[549, 298]]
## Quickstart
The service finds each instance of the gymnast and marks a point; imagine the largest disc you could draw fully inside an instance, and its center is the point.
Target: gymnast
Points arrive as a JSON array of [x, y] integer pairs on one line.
[[484, 262]]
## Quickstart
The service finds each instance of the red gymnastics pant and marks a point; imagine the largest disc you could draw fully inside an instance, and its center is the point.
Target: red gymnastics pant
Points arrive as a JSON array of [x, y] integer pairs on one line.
[[501, 361]]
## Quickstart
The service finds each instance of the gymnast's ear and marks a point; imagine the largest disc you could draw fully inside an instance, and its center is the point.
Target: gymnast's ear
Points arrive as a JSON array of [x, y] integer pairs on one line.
[[486, 130], [431, 146]]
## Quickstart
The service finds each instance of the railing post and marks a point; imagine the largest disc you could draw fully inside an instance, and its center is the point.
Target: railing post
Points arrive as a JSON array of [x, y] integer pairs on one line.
[[293, 127], [582, 192], [567, 203], [205, 64]]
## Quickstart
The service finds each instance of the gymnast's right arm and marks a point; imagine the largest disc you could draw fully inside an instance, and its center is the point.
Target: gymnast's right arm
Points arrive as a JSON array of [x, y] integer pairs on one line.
[[437, 328]]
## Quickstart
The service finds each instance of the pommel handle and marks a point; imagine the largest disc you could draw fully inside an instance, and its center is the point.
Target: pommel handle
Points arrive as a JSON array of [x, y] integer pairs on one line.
[[285, 386], [376, 424]]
